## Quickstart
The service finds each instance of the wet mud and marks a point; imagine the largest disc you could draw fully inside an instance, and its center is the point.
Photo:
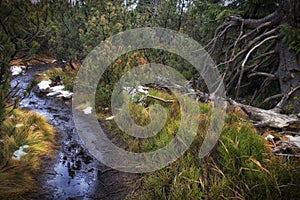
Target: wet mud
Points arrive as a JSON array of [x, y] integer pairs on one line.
[[73, 173]]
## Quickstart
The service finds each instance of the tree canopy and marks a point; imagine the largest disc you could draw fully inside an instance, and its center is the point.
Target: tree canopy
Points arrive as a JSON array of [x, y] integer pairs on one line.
[[255, 43]]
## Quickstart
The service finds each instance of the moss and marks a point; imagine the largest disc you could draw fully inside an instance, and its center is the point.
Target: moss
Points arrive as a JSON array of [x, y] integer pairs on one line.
[[288, 108], [295, 98]]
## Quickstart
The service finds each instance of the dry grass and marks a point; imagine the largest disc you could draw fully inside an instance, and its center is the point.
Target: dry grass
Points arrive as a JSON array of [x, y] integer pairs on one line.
[[23, 128]]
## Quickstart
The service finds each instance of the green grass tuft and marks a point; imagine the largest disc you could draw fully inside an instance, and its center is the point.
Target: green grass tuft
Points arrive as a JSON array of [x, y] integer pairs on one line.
[[236, 168]]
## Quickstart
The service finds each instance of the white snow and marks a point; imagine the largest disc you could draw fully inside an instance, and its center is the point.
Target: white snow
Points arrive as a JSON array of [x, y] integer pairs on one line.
[[19, 125], [110, 118], [269, 137], [65, 94], [55, 90], [44, 85], [139, 89], [19, 153], [16, 70], [87, 110], [142, 89], [295, 140], [50, 94]]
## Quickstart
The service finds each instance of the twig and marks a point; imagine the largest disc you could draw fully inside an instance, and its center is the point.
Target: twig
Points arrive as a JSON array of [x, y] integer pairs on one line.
[[160, 99], [289, 133], [272, 76], [283, 154], [270, 98], [278, 107], [256, 46], [246, 58]]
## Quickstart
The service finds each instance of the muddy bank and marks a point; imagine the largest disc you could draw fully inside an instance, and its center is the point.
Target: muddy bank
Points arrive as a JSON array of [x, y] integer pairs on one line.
[[73, 173]]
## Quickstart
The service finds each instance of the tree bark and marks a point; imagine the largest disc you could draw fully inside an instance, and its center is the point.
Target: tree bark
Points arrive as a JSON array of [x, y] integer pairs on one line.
[[289, 67], [289, 78]]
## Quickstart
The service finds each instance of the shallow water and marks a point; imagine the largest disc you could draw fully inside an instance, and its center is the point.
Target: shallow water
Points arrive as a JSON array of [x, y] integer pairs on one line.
[[74, 173]]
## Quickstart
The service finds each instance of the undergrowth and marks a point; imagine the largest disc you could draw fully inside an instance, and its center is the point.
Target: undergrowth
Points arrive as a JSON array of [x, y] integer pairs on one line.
[[237, 167], [18, 129], [67, 77]]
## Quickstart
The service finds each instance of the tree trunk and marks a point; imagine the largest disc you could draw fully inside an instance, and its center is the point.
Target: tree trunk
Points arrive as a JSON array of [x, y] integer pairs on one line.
[[289, 67], [289, 78]]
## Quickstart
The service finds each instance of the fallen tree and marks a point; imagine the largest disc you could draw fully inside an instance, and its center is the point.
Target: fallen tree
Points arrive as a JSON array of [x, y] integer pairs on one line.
[[259, 58], [260, 117]]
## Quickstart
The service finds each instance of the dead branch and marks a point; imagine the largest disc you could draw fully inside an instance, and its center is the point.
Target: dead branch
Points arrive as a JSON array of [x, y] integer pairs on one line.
[[271, 98], [254, 23], [256, 46], [271, 76], [160, 99], [289, 133], [283, 154], [279, 106], [266, 118]]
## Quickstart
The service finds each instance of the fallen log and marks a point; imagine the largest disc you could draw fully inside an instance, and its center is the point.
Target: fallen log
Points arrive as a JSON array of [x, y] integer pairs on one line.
[[267, 118], [260, 117]]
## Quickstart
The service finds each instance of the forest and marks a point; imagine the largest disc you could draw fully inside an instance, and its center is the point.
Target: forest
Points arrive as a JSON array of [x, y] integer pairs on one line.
[[196, 99]]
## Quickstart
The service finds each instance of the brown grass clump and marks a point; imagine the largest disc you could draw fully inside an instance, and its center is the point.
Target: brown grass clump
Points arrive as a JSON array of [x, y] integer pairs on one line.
[[21, 128]]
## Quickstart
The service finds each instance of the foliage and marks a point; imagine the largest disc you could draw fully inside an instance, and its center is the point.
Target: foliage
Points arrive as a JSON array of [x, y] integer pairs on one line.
[[236, 168], [255, 8], [63, 31], [21, 33], [291, 37]]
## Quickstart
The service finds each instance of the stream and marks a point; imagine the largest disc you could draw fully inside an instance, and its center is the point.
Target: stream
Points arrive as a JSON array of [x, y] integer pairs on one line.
[[73, 173]]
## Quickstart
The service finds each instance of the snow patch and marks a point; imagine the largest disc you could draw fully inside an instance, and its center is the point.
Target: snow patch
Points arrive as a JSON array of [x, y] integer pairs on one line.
[[269, 137], [132, 91], [44, 85], [87, 110], [65, 94], [17, 70], [19, 153], [110, 118], [55, 90]]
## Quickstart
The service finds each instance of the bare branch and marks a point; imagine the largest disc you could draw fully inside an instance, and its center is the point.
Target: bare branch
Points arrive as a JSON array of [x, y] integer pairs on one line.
[[279, 106], [271, 98], [254, 23], [272, 76], [160, 99], [265, 55], [256, 46]]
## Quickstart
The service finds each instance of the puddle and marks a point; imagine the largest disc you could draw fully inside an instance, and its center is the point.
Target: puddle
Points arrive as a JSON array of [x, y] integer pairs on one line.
[[74, 173]]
